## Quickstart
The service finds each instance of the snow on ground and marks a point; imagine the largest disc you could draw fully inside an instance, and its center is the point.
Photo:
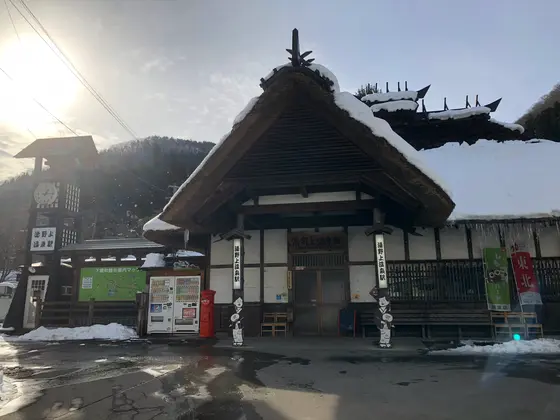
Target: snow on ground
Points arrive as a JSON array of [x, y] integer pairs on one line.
[[391, 96], [457, 114], [538, 346], [381, 128], [95, 332], [393, 106], [492, 180]]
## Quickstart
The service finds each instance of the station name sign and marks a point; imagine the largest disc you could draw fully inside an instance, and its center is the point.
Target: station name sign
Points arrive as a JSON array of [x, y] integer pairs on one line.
[[308, 241], [381, 264], [237, 245]]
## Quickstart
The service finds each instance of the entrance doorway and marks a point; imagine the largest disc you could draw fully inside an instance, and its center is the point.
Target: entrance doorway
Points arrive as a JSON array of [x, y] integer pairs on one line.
[[319, 294]]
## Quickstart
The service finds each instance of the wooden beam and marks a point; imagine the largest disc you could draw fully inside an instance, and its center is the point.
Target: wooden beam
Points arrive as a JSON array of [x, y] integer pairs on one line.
[[309, 207], [304, 192]]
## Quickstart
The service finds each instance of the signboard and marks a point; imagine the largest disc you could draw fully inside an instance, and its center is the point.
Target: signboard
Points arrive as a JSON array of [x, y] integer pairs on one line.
[[381, 265], [525, 280], [496, 279], [310, 241], [111, 283], [237, 264], [43, 239]]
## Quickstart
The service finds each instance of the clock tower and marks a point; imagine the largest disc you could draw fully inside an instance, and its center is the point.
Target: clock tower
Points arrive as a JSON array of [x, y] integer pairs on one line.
[[54, 219]]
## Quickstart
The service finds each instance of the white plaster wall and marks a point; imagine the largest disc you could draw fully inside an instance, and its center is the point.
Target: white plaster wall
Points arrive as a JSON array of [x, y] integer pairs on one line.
[[360, 246], [488, 237], [549, 238], [394, 245], [253, 247], [422, 247], [362, 280], [311, 198], [220, 252], [275, 283], [252, 291], [221, 282], [453, 241], [276, 246], [522, 235]]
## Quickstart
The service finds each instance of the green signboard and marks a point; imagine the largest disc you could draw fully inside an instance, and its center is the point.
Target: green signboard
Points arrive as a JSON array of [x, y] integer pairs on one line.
[[496, 279], [111, 283]]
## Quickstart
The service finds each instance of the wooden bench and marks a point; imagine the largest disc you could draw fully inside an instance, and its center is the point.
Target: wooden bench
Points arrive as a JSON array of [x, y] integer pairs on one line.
[[525, 324], [274, 323], [426, 317]]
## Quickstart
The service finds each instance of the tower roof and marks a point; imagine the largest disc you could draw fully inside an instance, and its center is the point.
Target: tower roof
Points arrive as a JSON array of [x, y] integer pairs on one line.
[[81, 147]]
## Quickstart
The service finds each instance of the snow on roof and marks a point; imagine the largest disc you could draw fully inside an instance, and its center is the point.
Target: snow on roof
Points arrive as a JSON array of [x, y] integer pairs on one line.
[[181, 253], [325, 72], [381, 128], [154, 260], [392, 106], [457, 114], [500, 181], [512, 127], [158, 225], [391, 96]]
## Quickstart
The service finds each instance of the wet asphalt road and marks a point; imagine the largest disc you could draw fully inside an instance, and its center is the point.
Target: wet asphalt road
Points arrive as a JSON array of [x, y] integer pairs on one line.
[[155, 381]]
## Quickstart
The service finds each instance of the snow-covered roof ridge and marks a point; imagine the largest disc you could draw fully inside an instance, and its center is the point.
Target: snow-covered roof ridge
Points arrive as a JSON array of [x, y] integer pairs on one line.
[[321, 70], [156, 224], [381, 128], [510, 126], [457, 114], [410, 95], [392, 106], [500, 180]]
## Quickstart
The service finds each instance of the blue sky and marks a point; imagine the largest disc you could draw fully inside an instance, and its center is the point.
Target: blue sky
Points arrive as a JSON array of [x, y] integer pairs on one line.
[[186, 68]]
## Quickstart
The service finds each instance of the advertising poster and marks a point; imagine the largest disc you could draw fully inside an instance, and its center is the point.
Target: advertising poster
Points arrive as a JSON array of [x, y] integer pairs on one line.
[[111, 283], [496, 279]]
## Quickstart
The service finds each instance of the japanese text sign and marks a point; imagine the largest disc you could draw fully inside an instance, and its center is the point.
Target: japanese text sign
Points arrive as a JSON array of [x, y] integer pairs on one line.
[[237, 250], [525, 280]]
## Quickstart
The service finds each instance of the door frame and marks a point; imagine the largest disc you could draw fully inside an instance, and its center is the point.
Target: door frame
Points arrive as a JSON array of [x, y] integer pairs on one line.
[[29, 298]]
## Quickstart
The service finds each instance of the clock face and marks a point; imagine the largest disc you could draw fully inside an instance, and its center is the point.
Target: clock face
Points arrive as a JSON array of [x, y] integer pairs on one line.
[[46, 193]]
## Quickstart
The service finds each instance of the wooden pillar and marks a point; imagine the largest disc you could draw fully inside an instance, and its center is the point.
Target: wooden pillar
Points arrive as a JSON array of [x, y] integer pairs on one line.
[[238, 253], [383, 316]]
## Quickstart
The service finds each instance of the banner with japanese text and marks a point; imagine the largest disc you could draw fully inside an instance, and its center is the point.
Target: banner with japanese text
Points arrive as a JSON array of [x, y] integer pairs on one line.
[[110, 283], [525, 279], [496, 279]]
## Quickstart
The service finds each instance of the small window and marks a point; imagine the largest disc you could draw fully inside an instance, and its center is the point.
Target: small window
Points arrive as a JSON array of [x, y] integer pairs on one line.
[[66, 290]]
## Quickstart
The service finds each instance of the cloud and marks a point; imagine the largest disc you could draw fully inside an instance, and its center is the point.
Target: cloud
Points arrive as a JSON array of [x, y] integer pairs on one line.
[[159, 64]]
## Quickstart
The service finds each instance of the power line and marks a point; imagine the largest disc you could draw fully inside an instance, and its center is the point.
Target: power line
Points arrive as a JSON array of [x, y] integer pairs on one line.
[[39, 103], [68, 63]]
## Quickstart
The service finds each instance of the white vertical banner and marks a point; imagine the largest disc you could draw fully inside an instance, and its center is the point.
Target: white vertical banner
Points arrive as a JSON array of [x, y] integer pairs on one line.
[[236, 264], [380, 258]]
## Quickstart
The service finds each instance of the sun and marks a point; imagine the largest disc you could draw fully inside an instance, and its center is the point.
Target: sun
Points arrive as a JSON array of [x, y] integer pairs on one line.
[[38, 74]]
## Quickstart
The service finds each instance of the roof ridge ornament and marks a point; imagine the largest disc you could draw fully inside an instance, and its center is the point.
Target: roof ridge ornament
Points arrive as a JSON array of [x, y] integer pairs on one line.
[[296, 58]]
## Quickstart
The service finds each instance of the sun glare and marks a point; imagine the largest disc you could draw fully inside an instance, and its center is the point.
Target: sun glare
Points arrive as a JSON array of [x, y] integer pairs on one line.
[[38, 74]]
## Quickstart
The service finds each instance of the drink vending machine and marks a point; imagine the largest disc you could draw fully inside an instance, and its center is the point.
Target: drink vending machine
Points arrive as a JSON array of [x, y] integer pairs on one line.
[[174, 304]]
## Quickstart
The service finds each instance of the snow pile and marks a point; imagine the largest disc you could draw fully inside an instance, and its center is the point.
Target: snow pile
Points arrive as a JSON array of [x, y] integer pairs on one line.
[[457, 114], [381, 128], [156, 224], [154, 260], [95, 332], [323, 71], [392, 106], [538, 346], [491, 180], [410, 95], [510, 126]]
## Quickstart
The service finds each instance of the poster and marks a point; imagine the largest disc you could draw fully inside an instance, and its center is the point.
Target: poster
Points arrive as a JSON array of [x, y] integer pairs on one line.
[[525, 280], [111, 283], [496, 279]]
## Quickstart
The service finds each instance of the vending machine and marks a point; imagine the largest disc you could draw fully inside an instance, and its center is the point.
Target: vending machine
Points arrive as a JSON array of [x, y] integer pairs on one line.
[[174, 305], [187, 304], [160, 308]]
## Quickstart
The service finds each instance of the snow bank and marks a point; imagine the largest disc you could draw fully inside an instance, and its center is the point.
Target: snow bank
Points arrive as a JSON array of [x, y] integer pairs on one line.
[[510, 126], [411, 95], [491, 180], [457, 114], [156, 224], [95, 332], [393, 106], [381, 128], [538, 346], [154, 260]]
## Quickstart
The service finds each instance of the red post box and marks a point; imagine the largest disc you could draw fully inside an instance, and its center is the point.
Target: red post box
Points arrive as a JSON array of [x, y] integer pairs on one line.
[[207, 313]]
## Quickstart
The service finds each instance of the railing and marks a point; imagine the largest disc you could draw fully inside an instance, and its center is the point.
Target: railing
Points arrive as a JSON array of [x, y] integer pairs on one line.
[[460, 280]]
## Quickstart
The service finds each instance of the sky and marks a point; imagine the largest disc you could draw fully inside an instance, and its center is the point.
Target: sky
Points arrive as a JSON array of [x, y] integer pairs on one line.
[[186, 68]]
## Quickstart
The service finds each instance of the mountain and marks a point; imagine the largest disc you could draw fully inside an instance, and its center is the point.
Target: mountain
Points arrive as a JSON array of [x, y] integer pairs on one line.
[[130, 185], [542, 120]]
